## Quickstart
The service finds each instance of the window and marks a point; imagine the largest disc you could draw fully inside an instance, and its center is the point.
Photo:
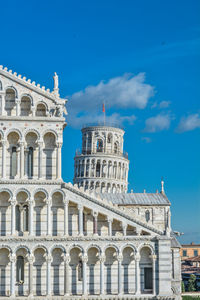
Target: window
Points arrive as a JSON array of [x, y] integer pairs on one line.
[[184, 252], [25, 211], [99, 145], [116, 148], [30, 162], [41, 110], [18, 219], [80, 270], [14, 162], [98, 166], [195, 252], [20, 269], [147, 215]]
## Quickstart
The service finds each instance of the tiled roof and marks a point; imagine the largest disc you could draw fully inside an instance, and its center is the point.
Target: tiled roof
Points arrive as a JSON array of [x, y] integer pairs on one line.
[[136, 198], [195, 258]]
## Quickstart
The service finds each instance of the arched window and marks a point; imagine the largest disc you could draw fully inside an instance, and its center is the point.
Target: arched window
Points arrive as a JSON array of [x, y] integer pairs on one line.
[[25, 215], [14, 161], [17, 219], [80, 270], [147, 215], [41, 110], [98, 166], [99, 145], [20, 269], [30, 162], [25, 106], [109, 138], [115, 147]]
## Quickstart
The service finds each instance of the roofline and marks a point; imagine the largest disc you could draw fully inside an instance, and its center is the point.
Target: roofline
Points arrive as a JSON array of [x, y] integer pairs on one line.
[[27, 83]]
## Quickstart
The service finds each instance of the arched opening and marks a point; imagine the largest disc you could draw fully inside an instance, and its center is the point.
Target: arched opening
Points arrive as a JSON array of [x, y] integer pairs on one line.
[[40, 214], [146, 270], [50, 153], [99, 145], [31, 155], [147, 215], [39, 272], [116, 147], [4, 272], [22, 213], [25, 106], [76, 271], [22, 272], [93, 168], [57, 214], [87, 167], [57, 266], [41, 110], [98, 168], [111, 271], [10, 105], [128, 271], [13, 141], [115, 170], [5, 213], [93, 270]]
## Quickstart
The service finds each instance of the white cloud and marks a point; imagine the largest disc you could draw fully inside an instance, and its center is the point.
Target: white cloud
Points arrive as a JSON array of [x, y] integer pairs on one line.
[[189, 123], [157, 123], [146, 139], [122, 92], [164, 104]]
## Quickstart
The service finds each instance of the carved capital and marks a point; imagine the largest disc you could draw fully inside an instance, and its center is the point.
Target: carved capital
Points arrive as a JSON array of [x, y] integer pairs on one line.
[[120, 257], [31, 258], [80, 207], [49, 258], [67, 258], [84, 258], [12, 258], [59, 145], [13, 201], [102, 258]]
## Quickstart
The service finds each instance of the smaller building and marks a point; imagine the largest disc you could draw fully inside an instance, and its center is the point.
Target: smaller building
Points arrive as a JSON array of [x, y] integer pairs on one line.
[[189, 250], [191, 266]]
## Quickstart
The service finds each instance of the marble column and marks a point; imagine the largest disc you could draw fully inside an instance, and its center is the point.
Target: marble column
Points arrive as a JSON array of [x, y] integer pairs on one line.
[[67, 286], [48, 260], [110, 226], [95, 222], [30, 259], [18, 110], [40, 162], [154, 273], [3, 142], [80, 218], [13, 203], [12, 274], [124, 227], [66, 203], [21, 160], [84, 261], [102, 275], [49, 225], [119, 258], [137, 275], [59, 146], [3, 112], [30, 217]]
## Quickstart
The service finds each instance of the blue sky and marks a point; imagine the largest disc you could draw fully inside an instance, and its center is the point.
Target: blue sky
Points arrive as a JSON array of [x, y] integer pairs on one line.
[[142, 59]]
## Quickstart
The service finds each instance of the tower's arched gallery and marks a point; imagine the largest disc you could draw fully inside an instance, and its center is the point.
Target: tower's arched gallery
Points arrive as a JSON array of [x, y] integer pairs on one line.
[[90, 239]]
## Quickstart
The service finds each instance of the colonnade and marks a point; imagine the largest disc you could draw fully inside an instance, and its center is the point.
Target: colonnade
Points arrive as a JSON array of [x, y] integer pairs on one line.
[[124, 266], [102, 168], [110, 144], [101, 186], [21, 159]]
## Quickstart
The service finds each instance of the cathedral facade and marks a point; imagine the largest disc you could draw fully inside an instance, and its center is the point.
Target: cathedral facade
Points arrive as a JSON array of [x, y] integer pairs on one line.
[[87, 240]]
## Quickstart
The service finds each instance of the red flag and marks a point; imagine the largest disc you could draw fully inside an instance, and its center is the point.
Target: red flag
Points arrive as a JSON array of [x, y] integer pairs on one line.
[[103, 108]]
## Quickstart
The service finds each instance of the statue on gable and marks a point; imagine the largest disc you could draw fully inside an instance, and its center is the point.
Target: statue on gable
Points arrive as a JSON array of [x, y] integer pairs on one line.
[[56, 89]]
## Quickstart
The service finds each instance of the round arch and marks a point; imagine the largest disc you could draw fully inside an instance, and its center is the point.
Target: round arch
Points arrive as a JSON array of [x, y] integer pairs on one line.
[[57, 246], [111, 246], [21, 247], [7, 190], [93, 246], [14, 130], [71, 247], [128, 246], [41, 190], [40, 246], [12, 88], [144, 245], [32, 130], [23, 190]]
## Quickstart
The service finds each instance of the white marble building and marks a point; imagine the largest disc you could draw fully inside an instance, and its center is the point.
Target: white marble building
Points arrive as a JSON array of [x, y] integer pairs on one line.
[[90, 240]]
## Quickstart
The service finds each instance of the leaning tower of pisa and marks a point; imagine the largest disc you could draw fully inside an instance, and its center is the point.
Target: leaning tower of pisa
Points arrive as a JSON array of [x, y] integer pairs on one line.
[[102, 164]]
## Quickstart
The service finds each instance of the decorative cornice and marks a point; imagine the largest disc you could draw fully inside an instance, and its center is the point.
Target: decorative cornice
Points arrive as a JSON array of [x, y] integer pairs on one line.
[[28, 83]]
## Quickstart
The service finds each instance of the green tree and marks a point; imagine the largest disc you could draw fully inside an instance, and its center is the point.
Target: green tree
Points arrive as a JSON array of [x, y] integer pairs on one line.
[[192, 283], [182, 287]]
